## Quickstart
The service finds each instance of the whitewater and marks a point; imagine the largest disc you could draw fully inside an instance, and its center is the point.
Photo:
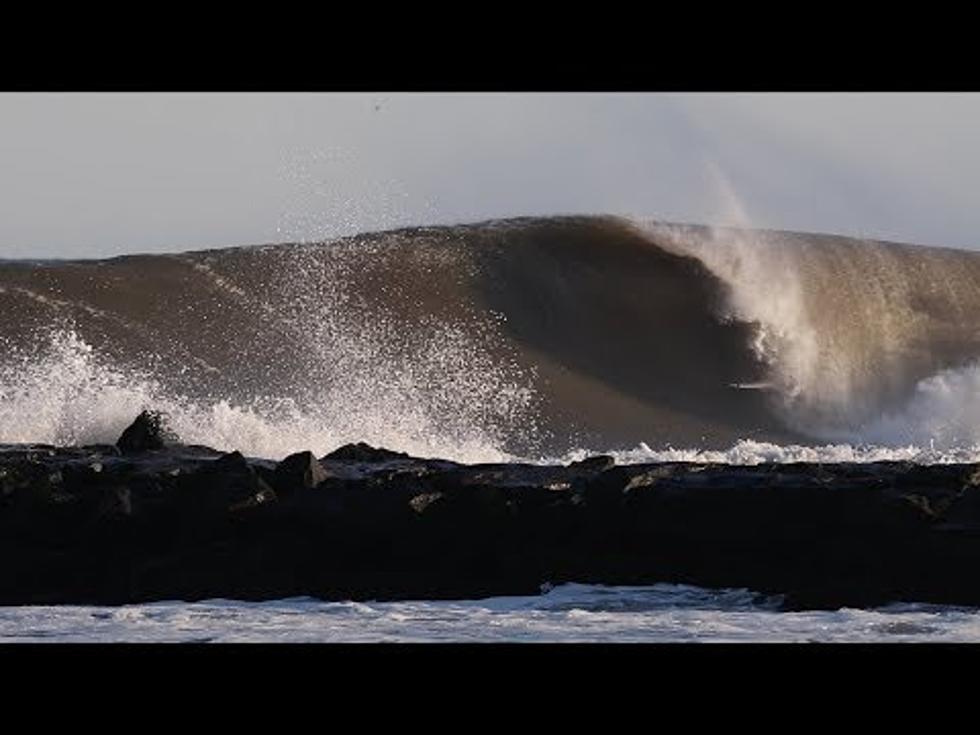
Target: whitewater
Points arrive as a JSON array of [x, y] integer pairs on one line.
[[571, 613], [537, 340]]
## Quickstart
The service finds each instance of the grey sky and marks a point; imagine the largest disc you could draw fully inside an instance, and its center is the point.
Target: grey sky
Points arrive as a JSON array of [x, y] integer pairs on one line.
[[100, 174]]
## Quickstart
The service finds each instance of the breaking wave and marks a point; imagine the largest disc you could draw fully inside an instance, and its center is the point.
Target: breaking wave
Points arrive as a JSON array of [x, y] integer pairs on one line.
[[525, 338]]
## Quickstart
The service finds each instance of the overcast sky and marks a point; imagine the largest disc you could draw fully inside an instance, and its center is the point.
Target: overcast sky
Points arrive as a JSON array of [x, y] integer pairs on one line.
[[101, 174]]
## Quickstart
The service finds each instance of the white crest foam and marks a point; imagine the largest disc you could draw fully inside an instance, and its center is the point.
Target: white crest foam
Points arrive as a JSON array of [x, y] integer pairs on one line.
[[65, 393], [865, 342]]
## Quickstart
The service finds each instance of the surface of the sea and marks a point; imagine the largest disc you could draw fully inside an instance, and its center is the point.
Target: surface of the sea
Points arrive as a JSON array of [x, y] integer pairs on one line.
[[532, 339], [567, 613]]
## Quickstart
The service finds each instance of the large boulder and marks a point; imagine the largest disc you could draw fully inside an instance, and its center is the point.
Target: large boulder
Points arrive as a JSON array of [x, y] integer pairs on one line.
[[227, 484], [299, 471], [596, 463], [362, 452], [149, 431]]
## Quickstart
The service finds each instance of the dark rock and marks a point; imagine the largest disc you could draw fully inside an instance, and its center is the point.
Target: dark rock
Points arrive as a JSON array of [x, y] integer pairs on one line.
[[597, 463], [116, 501], [89, 526], [299, 471], [226, 484], [149, 431], [362, 452], [423, 501], [964, 510]]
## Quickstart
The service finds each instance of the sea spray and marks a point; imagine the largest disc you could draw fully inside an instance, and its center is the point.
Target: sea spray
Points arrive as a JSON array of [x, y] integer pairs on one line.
[[523, 338], [852, 331], [65, 393]]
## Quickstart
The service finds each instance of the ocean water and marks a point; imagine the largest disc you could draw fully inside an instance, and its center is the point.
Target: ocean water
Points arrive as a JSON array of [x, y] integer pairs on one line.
[[532, 339], [567, 613], [517, 339]]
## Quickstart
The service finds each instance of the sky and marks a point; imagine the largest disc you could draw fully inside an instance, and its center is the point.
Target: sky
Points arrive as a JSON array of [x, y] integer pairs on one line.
[[91, 175]]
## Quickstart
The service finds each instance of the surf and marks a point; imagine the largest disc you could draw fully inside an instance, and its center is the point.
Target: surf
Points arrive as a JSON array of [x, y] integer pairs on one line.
[[521, 338]]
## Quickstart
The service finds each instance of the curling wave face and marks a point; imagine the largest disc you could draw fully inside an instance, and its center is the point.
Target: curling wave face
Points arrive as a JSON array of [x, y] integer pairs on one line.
[[520, 338], [862, 340]]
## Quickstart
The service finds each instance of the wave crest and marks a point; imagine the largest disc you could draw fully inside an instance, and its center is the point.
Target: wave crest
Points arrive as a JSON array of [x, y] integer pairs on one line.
[[521, 338]]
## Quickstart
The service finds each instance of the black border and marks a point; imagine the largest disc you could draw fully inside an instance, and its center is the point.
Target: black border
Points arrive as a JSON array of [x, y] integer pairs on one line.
[[661, 56], [514, 687], [497, 50]]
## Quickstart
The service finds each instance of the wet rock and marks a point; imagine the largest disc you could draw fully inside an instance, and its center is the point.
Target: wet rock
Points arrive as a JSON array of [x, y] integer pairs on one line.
[[226, 484], [299, 471], [423, 501], [362, 452], [80, 525], [963, 512], [116, 501], [148, 432], [598, 463]]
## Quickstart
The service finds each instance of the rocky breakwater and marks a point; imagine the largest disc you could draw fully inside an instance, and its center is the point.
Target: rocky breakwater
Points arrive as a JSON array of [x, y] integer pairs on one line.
[[152, 519]]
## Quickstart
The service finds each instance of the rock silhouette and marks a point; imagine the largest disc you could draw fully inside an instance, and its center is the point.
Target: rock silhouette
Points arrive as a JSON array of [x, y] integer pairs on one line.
[[148, 432], [140, 522]]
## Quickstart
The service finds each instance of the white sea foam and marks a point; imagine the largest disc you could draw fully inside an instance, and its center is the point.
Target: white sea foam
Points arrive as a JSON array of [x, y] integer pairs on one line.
[[571, 612], [68, 394], [749, 452], [65, 393], [858, 357], [943, 411], [865, 342], [443, 388]]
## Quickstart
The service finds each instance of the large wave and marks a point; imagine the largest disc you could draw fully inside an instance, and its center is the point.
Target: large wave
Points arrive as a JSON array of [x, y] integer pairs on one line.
[[520, 338], [863, 340]]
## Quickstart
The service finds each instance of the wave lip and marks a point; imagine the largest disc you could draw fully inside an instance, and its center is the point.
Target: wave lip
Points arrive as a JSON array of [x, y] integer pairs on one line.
[[852, 331]]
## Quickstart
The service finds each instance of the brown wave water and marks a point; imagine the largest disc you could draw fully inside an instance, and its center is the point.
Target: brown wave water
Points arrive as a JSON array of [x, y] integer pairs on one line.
[[517, 337]]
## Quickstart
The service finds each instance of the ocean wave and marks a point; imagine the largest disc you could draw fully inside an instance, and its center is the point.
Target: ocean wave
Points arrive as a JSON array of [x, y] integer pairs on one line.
[[527, 338]]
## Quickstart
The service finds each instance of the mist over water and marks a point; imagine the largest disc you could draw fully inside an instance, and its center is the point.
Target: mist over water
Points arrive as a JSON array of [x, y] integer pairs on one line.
[[525, 339]]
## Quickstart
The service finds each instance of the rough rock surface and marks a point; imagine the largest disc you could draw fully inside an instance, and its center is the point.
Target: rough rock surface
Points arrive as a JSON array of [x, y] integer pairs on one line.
[[148, 431], [100, 525]]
